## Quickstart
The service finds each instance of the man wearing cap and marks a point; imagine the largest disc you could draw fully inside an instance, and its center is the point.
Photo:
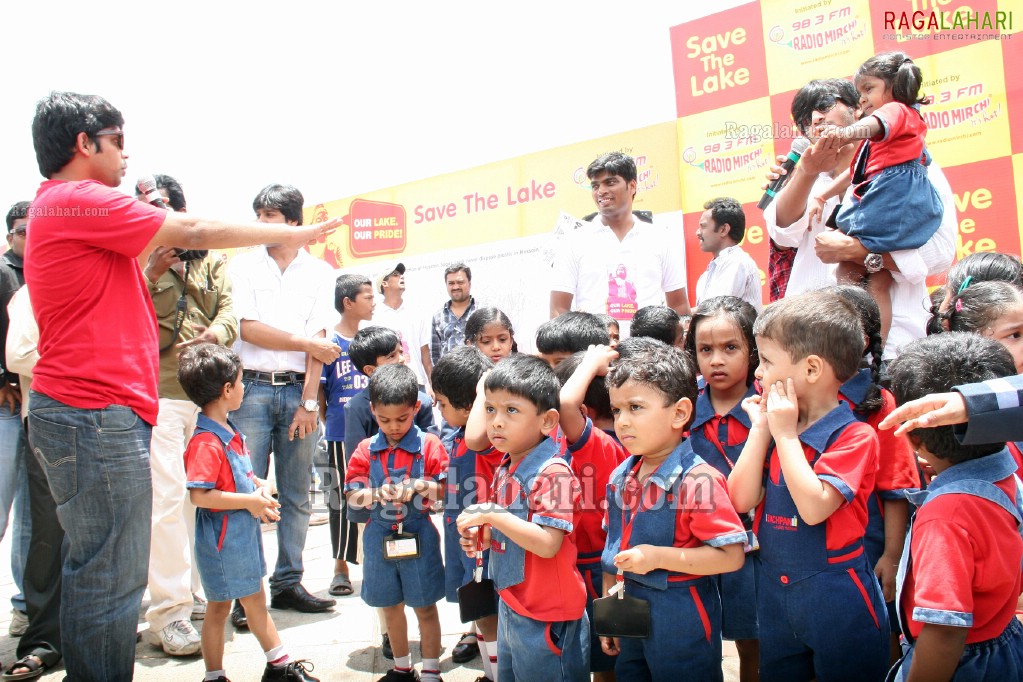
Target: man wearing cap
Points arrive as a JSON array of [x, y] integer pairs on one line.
[[412, 329]]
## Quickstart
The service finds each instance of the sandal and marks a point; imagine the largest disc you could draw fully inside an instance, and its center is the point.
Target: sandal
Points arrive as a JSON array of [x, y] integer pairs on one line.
[[33, 668], [340, 586]]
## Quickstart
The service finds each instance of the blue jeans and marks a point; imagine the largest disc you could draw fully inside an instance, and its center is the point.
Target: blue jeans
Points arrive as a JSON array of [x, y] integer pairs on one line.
[[14, 493], [97, 466], [264, 418]]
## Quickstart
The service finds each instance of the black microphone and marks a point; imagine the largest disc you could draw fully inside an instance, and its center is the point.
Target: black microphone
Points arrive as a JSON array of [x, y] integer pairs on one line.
[[799, 145], [147, 188]]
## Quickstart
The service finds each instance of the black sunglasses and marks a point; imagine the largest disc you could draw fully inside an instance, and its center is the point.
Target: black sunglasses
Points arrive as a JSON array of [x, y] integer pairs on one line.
[[115, 133]]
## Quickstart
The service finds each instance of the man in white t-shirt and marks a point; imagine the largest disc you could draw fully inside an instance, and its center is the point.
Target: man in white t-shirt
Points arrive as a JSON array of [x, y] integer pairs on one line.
[[732, 272], [617, 263], [412, 329]]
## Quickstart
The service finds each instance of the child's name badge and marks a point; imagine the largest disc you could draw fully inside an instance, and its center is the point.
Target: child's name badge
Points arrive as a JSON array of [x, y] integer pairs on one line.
[[401, 545]]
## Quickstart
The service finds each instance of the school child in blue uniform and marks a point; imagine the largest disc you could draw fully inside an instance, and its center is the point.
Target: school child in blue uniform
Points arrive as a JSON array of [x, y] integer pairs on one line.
[[402, 547], [529, 526], [959, 577], [593, 455], [721, 342], [670, 526], [470, 475], [897, 471], [230, 503], [808, 468]]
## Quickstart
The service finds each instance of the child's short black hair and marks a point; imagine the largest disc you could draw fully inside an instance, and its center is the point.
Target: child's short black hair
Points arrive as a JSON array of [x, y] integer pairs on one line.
[[656, 322], [937, 363], [456, 375], [596, 398], [394, 385], [649, 361], [529, 377], [370, 343], [571, 332], [818, 323], [348, 286], [204, 369]]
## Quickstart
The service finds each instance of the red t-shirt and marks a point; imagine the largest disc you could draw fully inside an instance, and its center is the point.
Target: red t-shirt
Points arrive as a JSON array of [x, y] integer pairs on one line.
[[552, 589], [704, 515], [901, 138], [595, 456], [849, 466], [966, 555], [435, 464], [487, 461], [896, 464], [206, 465], [98, 342]]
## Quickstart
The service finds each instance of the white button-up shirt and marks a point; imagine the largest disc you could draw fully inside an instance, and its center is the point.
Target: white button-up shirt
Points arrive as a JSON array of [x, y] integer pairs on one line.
[[299, 301], [414, 331], [732, 273]]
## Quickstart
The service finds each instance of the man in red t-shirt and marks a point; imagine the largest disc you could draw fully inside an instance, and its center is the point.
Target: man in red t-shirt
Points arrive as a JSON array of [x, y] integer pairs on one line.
[[94, 393]]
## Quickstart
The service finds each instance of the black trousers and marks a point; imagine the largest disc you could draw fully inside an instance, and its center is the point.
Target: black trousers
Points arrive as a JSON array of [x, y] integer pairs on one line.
[[344, 535]]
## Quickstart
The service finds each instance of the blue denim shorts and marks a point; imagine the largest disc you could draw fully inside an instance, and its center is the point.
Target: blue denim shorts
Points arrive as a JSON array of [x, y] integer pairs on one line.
[[739, 602], [1000, 658], [530, 650], [232, 568], [417, 582]]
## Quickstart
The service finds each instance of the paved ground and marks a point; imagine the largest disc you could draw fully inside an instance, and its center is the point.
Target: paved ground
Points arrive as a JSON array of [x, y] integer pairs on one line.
[[343, 644]]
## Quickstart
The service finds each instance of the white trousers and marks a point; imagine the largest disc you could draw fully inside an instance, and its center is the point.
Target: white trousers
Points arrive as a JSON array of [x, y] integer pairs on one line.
[[172, 574]]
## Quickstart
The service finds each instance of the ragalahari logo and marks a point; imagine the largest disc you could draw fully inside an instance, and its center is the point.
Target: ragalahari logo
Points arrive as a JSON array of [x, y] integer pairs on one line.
[[376, 227]]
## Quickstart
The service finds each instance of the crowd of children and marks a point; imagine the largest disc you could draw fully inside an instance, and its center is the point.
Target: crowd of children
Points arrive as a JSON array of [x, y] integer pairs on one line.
[[733, 485], [615, 508]]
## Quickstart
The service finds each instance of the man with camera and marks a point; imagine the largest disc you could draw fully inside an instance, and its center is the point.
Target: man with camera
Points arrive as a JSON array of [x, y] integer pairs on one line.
[[192, 299]]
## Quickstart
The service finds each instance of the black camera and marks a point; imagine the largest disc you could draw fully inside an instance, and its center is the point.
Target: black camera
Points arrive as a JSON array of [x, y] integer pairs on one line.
[[190, 254]]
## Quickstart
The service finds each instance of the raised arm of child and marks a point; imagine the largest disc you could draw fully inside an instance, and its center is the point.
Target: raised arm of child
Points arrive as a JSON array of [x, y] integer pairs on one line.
[[573, 394], [476, 423], [815, 500], [260, 503], [836, 189], [746, 481]]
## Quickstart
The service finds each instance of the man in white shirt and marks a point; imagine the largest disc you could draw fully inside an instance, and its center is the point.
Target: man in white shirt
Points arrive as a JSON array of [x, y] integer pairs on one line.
[[834, 101], [412, 329], [617, 263], [283, 300], [732, 272]]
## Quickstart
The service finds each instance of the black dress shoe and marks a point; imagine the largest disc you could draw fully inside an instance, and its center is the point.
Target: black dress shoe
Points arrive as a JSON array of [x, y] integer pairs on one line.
[[385, 648], [293, 671], [465, 650], [238, 618], [296, 597]]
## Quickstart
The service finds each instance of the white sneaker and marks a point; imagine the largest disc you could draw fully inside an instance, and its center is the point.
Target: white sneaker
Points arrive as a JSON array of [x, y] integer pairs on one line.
[[198, 607], [177, 639], [19, 623]]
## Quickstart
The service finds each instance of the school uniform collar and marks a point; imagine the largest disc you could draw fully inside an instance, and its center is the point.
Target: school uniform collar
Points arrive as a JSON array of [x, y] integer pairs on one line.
[[990, 468], [411, 442], [544, 450], [820, 432], [857, 387], [224, 434], [676, 465], [705, 409]]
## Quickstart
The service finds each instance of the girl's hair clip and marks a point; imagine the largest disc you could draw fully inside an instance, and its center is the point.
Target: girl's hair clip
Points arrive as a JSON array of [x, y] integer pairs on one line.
[[966, 283], [959, 305]]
